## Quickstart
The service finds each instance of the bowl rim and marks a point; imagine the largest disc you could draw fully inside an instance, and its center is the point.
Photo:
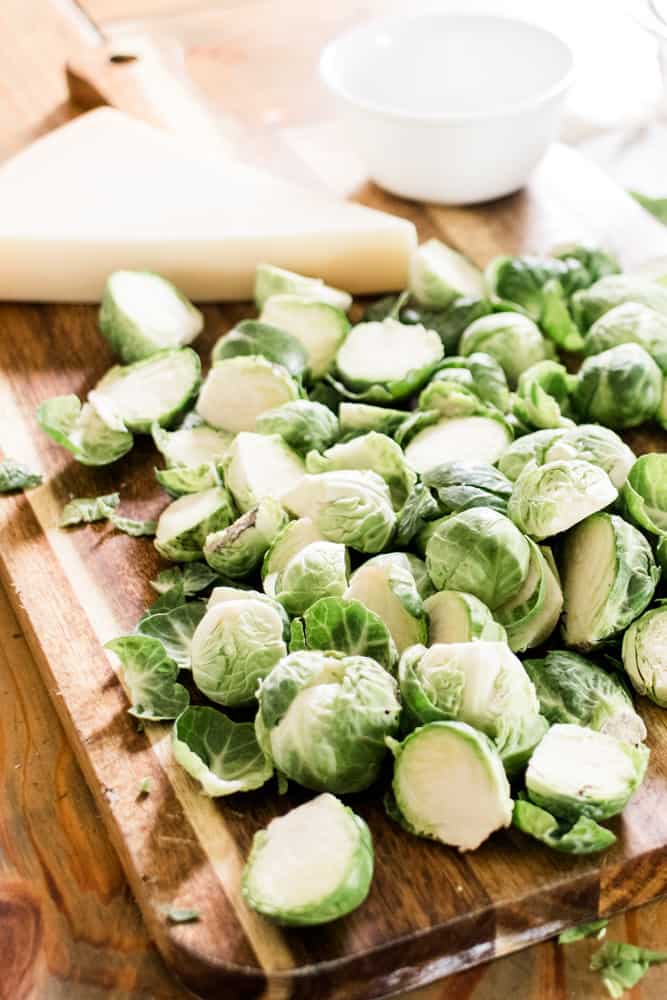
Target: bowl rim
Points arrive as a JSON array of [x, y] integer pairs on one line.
[[327, 70]]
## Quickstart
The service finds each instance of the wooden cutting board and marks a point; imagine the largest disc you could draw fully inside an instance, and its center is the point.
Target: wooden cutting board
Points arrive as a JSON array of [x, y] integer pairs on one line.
[[431, 911]]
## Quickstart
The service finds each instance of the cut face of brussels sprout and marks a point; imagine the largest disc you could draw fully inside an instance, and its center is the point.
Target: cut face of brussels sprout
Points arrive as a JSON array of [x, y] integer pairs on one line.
[[252, 338], [583, 837], [530, 448], [609, 577], [223, 756], [310, 866], [193, 446], [239, 549], [150, 678], [294, 537], [450, 785], [142, 313], [372, 451], [480, 552], [572, 689], [318, 570], [174, 629], [590, 443], [179, 481], [270, 280], [613, 290], [576, 771], [183, 526], [621, 387], [237, 390], [82, 431], [319, 326], [645, 493], [351, 628], [478, 439], [348, 506], [462, 485], [553, 497], [235, 645], [301, 424], [386, 585], [531, 615], [261, 465], [512, 339], [438, 275], [389, 353], [357, 418], [645, 654], [454, 616], [630, 323], [324, 718]]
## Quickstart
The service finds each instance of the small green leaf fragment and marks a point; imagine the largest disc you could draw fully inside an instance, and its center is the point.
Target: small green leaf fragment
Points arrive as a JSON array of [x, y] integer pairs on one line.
[[131, 527], [85, 510], [622, 965], [16, 476], [595, 928]]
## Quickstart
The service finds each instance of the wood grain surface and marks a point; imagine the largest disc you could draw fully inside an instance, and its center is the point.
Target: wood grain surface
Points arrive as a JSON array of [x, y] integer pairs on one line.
[[74, 590]]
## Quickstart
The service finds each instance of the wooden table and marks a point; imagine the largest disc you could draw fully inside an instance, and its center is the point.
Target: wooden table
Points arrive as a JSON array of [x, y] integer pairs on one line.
[[68, 924]]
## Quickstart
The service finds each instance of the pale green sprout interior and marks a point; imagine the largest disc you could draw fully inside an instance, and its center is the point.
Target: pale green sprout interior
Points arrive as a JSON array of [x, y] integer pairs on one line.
[[261, 465], [153, 304], [439, 274], [237, 390], [370, 585], [387, 351], [481, 439], [319, 326], [589, 577], [149, 391], [193, 446], [186, 513]]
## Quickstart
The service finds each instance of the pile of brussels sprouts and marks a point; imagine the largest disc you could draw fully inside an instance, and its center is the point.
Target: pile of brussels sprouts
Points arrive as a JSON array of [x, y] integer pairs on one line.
[[369, 523]]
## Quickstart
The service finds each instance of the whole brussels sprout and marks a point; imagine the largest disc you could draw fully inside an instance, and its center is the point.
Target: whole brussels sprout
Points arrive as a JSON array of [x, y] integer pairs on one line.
[[613, 290], [462, 485], [301, 424], [630, 323], [620, 387], [318, 570], [512, 339]]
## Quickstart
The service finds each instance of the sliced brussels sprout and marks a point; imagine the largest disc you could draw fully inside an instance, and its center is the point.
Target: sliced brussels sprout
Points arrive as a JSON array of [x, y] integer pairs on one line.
[[358, 418], [553, 497], [191, 447], [531, 615], [598, 262], [374, 452], [478, 439], [258, 466], [572, 689], [450, 785], [223, 756], [256, 339], [644, 494], [86, 510], [609, 577], [351, 628], [174, 629], [620, 387], [183, 526], [236, 551], [270, 280], [576, 771], [438, 275], [237, 390], [630, 323], [180, 481], [142, 313], [235, 645], [301, 424], [590, 443], [347, 506], [149, 675], [82, 431], [292, 539], [512, 339], [454, 616], [530, 448], [645, 654], [461, 485], [480, 552], [585, 836], [310, 866], [318, 570], [386, 585], [17, 476], [324, 718], [390, 354], [319, 327], [613, 290], [419, 508]]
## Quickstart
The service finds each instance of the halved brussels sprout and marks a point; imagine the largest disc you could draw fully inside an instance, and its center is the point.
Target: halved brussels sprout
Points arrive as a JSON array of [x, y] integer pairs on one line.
[[312, 865], [584, 836], [374, 452], [270, 280], [387, 586], [183, 526], [645, 654], [237, 390], [454, 616], [529, 448], [222, 755], [239, 549], [348, 627], [390, 354], [438, 275], [318, 326], [301, 424], [293, 537], [645, 493], [613, 290], [251, 338], [174, 628], [324, 717], [627, 324], [553, 497], [609, 577], [142, 313], [419, 508], [576, 771], [260, 465], [318, 570], [542, 396], [82, 431], [179, 481], [531, 615], [449, 784], [590, 443], [358, 418], [191, 447], [149, 675], [572, 689], [462, 485], [620, 387], [512, 339], [479, 439]]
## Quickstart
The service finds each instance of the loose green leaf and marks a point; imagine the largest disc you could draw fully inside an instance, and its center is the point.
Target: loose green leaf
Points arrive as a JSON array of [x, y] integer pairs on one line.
[[224, 756], [621, 965], [150, 677], [194, 577], [596, 928], [351, 628], [584, 836], [182, 916], [16, 476], [171, 598], [85, 510], [131, 527], [419, 508], [175, 628], [656, 206], [82, 431]]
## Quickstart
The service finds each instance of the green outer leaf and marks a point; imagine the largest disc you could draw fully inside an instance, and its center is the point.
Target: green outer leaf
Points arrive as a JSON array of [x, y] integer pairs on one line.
[[529, 448], [349, 627], [623, 965], [194, 577], [17, 476], [643, 660], [419, 508], [584, 836], [297, 640], [302, 424], [369, 452], [150, 677], [319, 570], [621, 387], [131, 527], [462, 485], [595, 928], [174, 629], [656, 206], [250, 337], [180, 480], [85, 510], [224, 756], [644, 494], [167, 601], [81, 430], [612, 290], [630, 323]]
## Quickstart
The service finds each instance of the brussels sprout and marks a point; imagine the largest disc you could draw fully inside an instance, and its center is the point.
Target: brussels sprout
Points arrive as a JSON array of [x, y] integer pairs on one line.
[[598, 262], [419, 508], [174, 629], [239, 549], [191, 447], [438, 275], [237, 390], [530, 448], [489, 378], [480, 552], [318, 326], [531, 615], [351, 628], [621, 387], [142, 313], [542, 396], [572, 689], [391, 355], [318, 570], [183, 526], [644, 659], [584, 836], [622, 965], [553, 497], [374, 452], [454, 616], [251, 338], [480, 683], [324, 718], [292, 539], [223, 756], [301, 424], [150, 678], [258, 466], [180, 481], [590, 443], [576, 771], [86, 510], [452, 393], [16, 476], [347, 506], [310, 866], [358, 418], [613, 290], [630, 323], [235, 645], [448, 323], [609, 577], [512, 339], [386, 585], [191, 578], [477, 439], [462, 485], [450, 785], [82, 431], [645, 493], [270, 280]]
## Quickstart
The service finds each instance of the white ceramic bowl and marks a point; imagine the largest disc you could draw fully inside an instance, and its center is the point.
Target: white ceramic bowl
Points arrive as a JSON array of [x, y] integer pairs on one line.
[[452, 108]]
